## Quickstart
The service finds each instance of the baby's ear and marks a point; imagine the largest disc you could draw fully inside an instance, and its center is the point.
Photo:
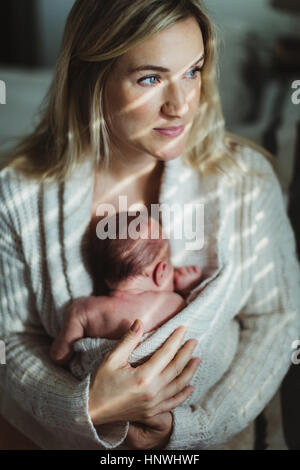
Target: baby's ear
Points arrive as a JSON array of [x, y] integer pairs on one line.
[[159, 272]]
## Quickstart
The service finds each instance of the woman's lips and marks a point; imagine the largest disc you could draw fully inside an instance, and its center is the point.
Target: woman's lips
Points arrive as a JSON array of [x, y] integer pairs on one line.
[[172, 131]]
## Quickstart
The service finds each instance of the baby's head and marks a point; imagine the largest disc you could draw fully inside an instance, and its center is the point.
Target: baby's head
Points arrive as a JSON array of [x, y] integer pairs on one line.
[[129, 264]]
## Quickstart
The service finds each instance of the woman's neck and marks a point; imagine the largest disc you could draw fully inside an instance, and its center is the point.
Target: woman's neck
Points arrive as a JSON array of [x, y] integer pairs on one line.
[[142, 179], [122, 170], [128, 162]]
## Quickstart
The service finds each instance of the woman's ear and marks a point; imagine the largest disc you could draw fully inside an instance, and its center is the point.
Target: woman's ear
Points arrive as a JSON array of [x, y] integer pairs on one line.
[[160, 273]]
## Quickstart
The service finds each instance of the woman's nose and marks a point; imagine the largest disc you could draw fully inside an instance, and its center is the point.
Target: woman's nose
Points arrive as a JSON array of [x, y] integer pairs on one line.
[[175, 100]]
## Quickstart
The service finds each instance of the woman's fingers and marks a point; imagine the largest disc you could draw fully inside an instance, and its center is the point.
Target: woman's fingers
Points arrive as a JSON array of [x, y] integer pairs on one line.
[[180, 382], [176, 376], [173, 402], [161, 358], [176, 366], [119, 356]]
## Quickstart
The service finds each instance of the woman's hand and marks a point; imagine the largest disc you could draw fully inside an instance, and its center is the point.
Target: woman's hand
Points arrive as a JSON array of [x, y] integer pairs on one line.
[[120, 392], [150, 433]]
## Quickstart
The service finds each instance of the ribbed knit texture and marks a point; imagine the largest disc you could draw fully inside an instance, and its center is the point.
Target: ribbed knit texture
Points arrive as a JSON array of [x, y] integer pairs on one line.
[[245, 313]]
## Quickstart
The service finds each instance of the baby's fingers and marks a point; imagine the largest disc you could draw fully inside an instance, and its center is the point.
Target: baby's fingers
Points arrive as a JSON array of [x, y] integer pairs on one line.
[[61, 349], [197, 269], [60, 352]]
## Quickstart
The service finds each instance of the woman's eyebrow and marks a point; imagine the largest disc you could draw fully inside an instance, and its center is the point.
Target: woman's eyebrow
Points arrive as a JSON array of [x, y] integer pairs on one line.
[[158, 68]]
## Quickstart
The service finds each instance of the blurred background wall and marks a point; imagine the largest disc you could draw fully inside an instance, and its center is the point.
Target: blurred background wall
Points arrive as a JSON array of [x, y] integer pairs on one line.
[[259, 62], [255, 82], [51, 17], [37, 25]]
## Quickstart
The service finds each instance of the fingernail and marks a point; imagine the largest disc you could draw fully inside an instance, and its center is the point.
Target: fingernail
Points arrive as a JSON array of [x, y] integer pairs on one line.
[[135, 326], [182, 328]]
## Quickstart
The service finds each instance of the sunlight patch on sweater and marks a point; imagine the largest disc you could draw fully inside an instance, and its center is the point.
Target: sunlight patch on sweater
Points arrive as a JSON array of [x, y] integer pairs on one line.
[[264, 272], [271, 296]]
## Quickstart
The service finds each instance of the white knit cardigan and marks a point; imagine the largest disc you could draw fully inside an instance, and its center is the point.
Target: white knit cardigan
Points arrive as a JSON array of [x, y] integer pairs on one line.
[[245, 312]]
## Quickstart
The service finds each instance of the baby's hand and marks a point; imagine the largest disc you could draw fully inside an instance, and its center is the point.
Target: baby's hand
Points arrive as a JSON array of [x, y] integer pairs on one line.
[[84, 318], [186, 278]]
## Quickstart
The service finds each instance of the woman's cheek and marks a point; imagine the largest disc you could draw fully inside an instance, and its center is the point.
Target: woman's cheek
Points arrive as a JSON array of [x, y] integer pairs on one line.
[[145, 115], [195, 96]]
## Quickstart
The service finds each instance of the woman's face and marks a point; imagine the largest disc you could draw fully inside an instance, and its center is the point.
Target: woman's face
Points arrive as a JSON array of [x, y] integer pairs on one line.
[[141, 100]]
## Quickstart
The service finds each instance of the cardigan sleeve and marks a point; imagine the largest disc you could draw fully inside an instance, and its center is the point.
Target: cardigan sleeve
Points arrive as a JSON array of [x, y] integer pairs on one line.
[[48, 395], [270, 322]]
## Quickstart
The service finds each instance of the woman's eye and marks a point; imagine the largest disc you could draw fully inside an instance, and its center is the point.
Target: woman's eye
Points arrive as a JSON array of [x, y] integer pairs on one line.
[[195, 70], [157, 77], [153, 77]]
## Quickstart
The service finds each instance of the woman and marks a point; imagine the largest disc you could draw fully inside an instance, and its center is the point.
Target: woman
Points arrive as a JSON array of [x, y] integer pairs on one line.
[[105, 114]]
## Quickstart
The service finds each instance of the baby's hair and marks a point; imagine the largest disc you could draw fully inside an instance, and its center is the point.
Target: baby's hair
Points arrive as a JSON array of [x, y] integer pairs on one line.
[[117, 259]]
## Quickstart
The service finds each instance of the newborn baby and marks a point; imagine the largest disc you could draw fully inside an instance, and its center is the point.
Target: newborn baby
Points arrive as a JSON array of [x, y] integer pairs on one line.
[[140, 282]]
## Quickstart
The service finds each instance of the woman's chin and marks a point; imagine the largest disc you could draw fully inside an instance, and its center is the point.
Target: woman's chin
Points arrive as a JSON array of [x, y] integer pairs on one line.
[[171, 153], [168, 155]]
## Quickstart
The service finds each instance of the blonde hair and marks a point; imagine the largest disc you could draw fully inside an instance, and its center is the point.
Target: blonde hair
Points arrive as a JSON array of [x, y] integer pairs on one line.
[[72, 125]]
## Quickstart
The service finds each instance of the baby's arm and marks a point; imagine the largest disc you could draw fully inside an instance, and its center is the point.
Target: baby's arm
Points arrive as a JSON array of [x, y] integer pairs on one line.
[[186, 278], [101, 317], [88, 317]]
